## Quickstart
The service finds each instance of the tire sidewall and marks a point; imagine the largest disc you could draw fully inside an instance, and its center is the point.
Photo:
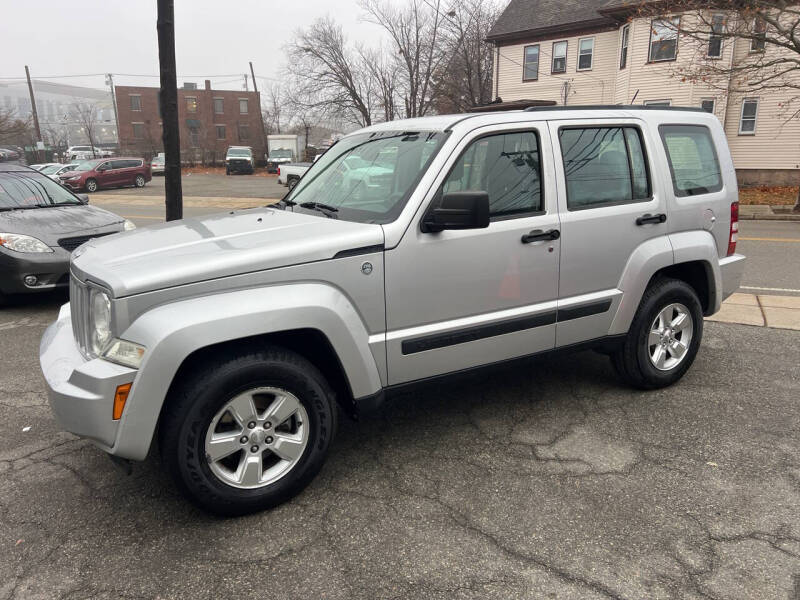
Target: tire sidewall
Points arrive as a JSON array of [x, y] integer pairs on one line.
[[210, 491], [672, 292], [89, 184], [139, 181]]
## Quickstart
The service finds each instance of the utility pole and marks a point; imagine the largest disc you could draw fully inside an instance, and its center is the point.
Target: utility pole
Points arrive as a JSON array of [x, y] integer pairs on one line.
[[260, 114], [168, 101], [246, 88], [35, 114], [110, 82]]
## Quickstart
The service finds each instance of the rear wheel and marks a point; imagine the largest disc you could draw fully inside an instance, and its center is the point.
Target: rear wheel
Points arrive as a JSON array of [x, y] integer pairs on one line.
[[91, 185], [291, 184], [139, 181], [664, 337], [249, 432]]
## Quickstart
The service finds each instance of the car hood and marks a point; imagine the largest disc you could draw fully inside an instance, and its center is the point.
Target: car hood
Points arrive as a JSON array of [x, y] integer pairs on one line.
[[222, 245], [57, 222]]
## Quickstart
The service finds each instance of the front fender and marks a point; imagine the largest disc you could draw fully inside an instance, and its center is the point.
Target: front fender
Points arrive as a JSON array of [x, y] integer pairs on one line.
[[174, 331]]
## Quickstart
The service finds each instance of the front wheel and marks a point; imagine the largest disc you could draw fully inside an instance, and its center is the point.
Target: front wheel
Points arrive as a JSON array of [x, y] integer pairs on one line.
[[91, 185], [139, 181], [248, 432], [664, 337]]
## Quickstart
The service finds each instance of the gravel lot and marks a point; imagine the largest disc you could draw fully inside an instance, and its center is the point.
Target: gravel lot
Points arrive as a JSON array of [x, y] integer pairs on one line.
[[550, 481]]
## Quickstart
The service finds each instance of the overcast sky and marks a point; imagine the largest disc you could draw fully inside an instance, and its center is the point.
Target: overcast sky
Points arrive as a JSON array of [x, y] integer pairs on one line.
[[215, 37]]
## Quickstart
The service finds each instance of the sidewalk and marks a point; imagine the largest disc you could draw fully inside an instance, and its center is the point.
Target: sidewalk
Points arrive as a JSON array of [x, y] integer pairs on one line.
[[780, 312], [764, 212]]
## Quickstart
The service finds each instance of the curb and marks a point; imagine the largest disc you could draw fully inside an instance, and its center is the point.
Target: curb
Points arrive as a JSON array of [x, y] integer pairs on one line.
[[766, 212], [773, 217]]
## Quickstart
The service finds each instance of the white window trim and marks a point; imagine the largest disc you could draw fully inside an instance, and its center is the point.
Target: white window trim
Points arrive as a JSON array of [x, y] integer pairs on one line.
[[666, 101], [553, 57], [624, 46], [754, 119], [139, 96], [721, 39], [753, 41], [248, 106], [650, 58], [713, 102], [524, 61], [591, 65]]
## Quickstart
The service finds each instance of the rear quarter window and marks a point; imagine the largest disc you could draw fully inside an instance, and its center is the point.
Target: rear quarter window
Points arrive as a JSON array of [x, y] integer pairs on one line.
[[693, 159]]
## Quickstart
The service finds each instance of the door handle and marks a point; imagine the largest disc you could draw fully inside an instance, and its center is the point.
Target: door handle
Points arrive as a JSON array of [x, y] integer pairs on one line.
[[649, 219], [537, 235]]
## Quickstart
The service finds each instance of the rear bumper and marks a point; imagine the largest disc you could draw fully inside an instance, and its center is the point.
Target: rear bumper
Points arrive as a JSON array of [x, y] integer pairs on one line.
[[50, 268], [81, 391], [731, 269]]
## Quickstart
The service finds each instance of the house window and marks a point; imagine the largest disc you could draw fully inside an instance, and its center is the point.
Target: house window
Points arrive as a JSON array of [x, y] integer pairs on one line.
[[585, 54], [604, 166], [664, 39], [662, 103], [623, 54], [747, 123], [220, 132], [759, 41], [194, 136], [530, 71], [244, 132], [191, 104], [559, 57], [138, 131], [715, 39], [218, 106], [708, 105], [243, 106], [136, 103]]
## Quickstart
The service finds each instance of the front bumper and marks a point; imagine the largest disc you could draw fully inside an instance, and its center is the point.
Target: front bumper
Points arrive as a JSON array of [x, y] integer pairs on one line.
[[731, 269], [50, 268], [73, 185], [239, 167], [81, 391]]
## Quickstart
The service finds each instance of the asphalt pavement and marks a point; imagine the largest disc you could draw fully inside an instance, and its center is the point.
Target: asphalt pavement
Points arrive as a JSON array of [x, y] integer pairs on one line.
[[547, 481]]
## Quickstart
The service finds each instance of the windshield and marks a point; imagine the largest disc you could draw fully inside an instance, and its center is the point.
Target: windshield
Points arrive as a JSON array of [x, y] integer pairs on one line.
[[369, 177], [86, 166], [281, 153], [31, 189], [49, 169], [240, 152]]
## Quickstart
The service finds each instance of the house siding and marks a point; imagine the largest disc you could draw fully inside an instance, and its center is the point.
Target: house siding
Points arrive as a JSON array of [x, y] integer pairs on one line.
[[774, 152]]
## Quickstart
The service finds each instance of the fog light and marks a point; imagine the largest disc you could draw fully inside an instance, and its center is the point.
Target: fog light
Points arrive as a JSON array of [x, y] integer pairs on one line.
[[120, 398], [31, 280]]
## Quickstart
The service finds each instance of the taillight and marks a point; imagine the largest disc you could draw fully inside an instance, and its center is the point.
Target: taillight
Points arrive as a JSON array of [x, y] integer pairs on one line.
[[734, 234], [279, 171]]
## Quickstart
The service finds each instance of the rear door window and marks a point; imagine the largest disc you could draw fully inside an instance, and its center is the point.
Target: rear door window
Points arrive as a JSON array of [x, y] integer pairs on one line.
[[604, 166], [693, 160]]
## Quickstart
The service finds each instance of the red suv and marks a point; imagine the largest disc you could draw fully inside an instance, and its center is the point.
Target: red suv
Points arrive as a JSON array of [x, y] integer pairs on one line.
[[107, 172]]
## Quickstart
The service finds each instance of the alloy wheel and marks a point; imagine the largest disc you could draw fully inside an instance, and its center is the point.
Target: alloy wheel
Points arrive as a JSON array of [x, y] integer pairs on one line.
[[670, 336]]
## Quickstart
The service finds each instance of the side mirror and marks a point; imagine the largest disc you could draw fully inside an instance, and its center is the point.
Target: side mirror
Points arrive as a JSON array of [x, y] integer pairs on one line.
[[84, 198], [458, 210]]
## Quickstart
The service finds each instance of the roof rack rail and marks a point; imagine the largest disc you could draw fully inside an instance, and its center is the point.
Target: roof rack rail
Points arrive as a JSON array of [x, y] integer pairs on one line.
[[614, 107]]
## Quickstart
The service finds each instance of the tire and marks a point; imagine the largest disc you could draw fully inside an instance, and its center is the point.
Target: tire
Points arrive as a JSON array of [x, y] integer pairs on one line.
[[91, 185], [227, 171], [291, 183], [139, 181], [196, 411], [639, 362]]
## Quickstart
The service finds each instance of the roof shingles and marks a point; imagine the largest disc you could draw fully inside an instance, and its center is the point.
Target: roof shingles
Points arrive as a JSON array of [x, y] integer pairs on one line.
[[529, 17]]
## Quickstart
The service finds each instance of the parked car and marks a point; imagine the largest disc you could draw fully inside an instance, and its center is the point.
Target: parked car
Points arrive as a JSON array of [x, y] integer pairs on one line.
[[7, 154], [239, 159], [55, 170], [290, 173], [157, 164], [41, 223], [91, 175], [86, 153], [503, 235]]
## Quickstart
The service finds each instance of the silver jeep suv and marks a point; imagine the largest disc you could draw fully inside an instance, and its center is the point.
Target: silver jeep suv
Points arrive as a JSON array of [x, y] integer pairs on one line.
[[459, 242]]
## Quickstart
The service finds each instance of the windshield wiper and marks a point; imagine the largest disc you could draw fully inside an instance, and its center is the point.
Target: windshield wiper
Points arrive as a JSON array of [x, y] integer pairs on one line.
[[325, 209]]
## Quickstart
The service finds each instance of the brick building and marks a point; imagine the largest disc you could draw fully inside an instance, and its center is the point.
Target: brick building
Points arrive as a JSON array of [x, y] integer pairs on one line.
[[210, 121]]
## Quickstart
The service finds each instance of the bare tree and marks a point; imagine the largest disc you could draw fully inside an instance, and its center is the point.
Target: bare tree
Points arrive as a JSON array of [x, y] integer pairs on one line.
[[414, 31], [328, 76], [14, 130], [769, 28], [385, 82], [465, 79], [87, 114]]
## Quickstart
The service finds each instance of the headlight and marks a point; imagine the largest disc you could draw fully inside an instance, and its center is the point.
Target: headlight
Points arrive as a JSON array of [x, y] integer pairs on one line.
[[128, 225], [75, 178], [23, 243], [124, 353], [100, 321]]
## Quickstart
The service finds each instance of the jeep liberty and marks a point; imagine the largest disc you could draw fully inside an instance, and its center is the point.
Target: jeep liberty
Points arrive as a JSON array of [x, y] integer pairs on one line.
[[458, 242]]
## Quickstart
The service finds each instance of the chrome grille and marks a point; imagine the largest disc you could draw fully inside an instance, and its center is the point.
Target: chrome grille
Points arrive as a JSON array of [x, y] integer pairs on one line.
[[79, 307]]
